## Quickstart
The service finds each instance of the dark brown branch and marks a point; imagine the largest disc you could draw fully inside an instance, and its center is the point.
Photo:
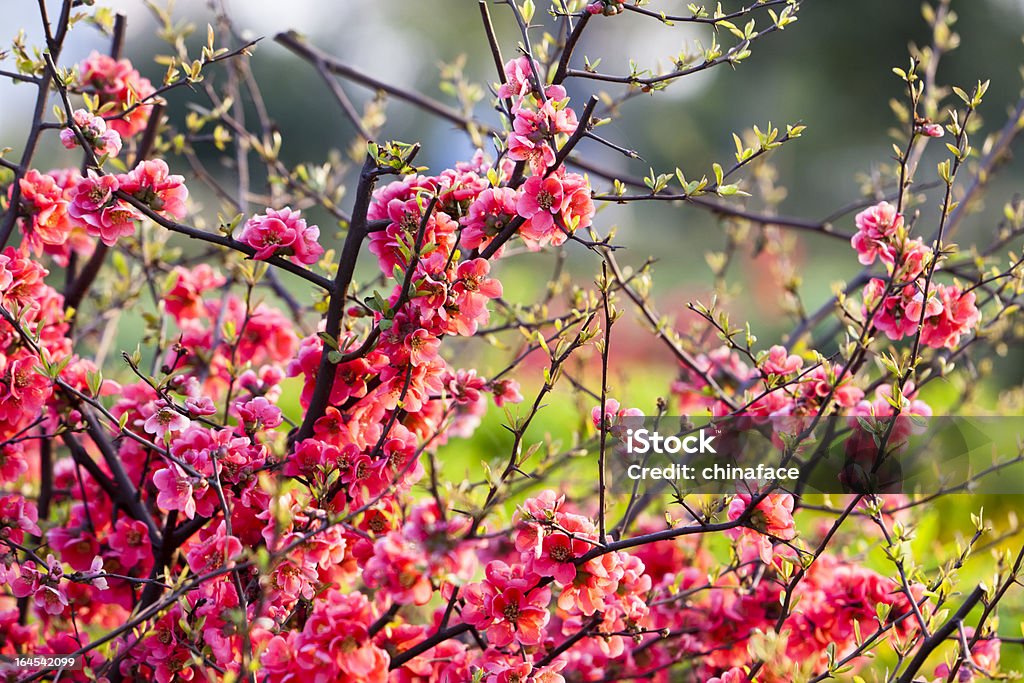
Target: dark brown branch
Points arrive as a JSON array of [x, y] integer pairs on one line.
[[226, 241], [11, 215], [434, 640], [125, 488], [339, 291], [585, 630], [117, 36], [570, 46], [492, 42], [939, 636], [702, 20], [300, 47], [728, 58], [582, 128]]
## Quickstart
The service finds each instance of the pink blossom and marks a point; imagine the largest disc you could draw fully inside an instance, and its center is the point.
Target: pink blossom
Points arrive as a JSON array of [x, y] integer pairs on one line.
[[202, 405], [957, 316], [18, 516], [95, 574], [773, 516], [335, 644], [733, 675], [104, 216], [174, 490], [118, 82], [489, 214], [422, 346], [214, 551], [540, 201], [506, 391], [542, 124], [78, 546], [131, 541], [23, 388], [103, 140], [821, 382], [471, 291], [165, 420], [876, 226], [45, 588], [282, 233], [596, 583], [505, 608], [532, 134], [152, 184], [913, 255], [518, 78], [577, 205], [92, 194], [258, 414], [398, 569], [185, 299], [539, 155], [617, 418], [519, 81], [541, 507], [984, 660], [46, 205], [900, 312], [560, 549], [780, 362]]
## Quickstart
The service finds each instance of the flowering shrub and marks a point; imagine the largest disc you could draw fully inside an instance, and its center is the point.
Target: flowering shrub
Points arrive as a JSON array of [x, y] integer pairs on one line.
[[255, 487]]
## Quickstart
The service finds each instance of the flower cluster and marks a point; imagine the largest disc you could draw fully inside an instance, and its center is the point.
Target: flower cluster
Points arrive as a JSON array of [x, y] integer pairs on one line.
[[771, 518], [779, 387], [117, 82], [282, 232], [898, 305], [60, 208], [101, 139]]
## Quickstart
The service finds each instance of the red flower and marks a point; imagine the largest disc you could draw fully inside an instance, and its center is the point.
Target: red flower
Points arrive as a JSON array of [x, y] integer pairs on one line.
[[956, 315], [46, 208], [118, 82], [539, 202], [773, 516], [876, 226], [508, 606], [130, 541], [174, 490], [152, 184]]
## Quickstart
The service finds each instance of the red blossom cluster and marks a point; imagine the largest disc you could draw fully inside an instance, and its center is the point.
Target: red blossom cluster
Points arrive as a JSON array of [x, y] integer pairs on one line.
[[58, 207], [120, 87], [898, 304], [779, 387], [93, 129]]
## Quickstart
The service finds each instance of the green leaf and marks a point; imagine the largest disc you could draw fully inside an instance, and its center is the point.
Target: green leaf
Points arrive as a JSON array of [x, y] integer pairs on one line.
[[528, 10]]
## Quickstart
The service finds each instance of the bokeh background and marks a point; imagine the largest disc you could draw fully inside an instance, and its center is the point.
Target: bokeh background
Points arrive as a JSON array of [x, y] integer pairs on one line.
[[831, 71]]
